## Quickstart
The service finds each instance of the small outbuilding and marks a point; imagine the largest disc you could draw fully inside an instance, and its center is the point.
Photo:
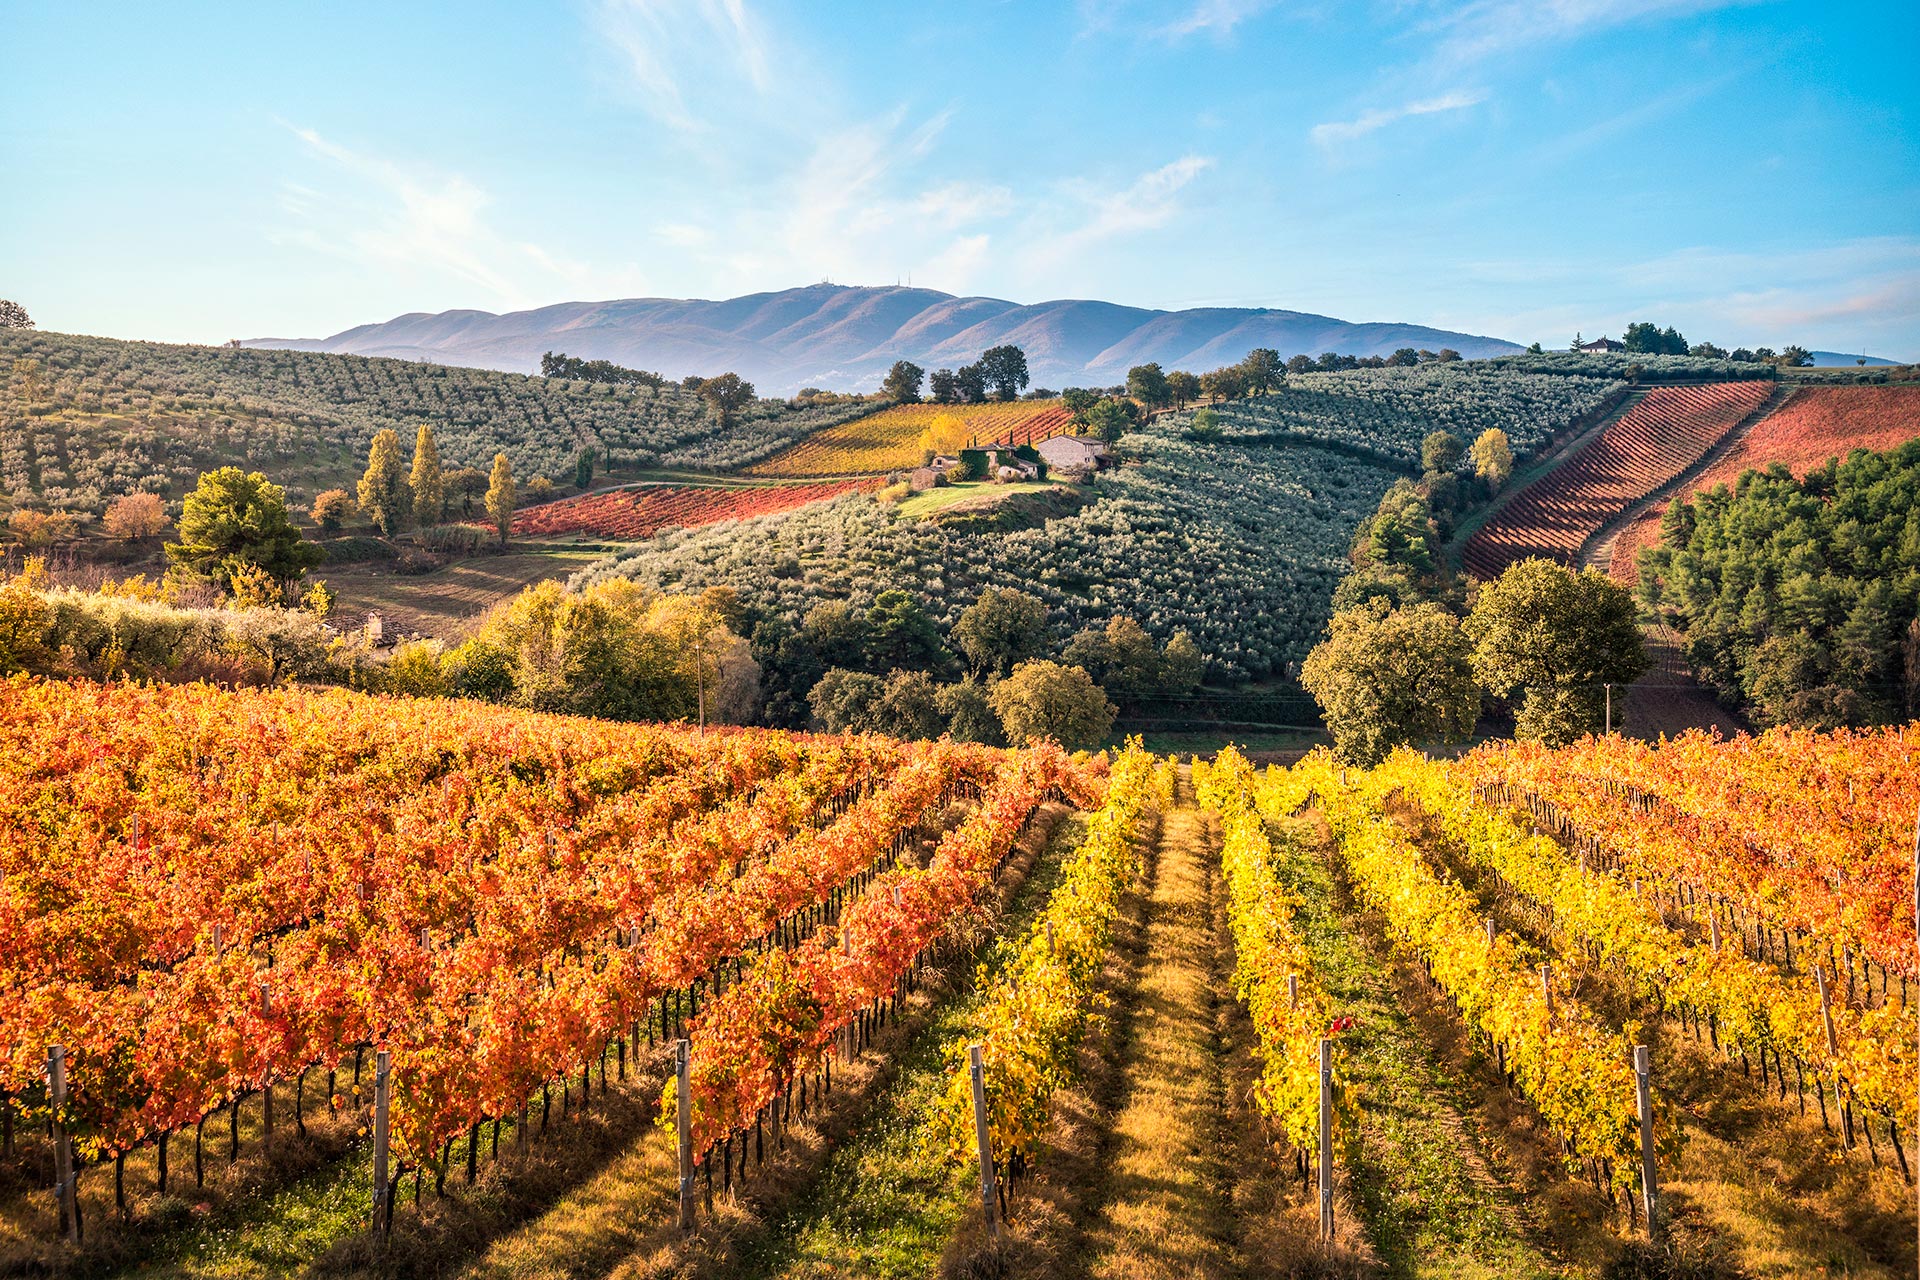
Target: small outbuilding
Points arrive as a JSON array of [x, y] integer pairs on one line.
[[1072, 453]]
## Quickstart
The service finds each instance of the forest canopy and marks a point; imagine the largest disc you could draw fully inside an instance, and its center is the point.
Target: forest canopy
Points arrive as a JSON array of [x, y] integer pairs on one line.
[[1798, 597]]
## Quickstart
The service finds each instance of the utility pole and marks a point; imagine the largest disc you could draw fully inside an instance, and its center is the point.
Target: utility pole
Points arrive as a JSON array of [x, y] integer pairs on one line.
[[700, 669]]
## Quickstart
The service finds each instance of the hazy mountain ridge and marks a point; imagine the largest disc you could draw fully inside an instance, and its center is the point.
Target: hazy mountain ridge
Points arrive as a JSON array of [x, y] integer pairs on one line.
[[845, 337]]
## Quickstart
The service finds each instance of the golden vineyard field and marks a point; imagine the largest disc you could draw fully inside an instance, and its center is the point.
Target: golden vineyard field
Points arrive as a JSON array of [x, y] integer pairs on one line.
[[891, 439]]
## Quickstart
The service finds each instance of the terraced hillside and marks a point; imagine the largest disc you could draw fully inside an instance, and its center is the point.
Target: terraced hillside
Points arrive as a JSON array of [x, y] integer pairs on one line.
[[1668, 430]]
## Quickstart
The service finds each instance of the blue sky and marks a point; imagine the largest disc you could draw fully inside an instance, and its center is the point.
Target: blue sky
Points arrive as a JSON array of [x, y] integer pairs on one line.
[[1523, 168]]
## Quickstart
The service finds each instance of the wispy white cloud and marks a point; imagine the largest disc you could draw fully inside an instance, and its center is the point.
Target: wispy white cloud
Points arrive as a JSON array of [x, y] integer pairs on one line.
[[1473, 32], [1217, 17], [666, 46], [1161, 21], [957, 204], [1837, 296], [423, 224], [958, 265], [1621, 123], [1335, 132], [1149, 202]]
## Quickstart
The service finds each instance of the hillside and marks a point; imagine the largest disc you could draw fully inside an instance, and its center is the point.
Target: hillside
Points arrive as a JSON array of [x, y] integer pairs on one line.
[[97, 417], [1661, 434], [844, 337], [1811, 426], [1238, 542]]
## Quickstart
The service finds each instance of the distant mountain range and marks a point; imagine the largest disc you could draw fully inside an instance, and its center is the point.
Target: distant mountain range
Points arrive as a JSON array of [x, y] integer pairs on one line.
[[1836, 359], [843, 337]]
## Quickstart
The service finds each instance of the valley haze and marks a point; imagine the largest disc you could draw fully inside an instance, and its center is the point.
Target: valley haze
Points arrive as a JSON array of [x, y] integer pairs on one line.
[[845, 337]]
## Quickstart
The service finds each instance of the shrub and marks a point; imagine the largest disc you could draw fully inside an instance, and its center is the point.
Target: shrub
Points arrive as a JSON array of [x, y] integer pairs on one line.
[[1045, 701], [415, 670], [332, 509], [135, 516]]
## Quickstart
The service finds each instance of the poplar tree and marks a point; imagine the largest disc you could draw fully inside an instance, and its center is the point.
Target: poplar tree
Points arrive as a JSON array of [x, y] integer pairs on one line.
[[383, 489], [500, 495], [428, 481]]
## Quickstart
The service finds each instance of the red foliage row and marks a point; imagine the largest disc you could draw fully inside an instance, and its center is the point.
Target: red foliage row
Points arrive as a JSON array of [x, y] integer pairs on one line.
[[1057, 421], [1661, 436], [778, 1021], [644, 511]]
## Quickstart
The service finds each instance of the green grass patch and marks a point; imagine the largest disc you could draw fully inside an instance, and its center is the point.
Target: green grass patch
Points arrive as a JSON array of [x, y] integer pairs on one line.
[[272, 1235], [922, 505]]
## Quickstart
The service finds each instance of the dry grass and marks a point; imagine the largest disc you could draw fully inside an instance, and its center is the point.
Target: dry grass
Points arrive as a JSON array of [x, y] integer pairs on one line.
[[30, 1241], [1156, 1164], [1165, 1210], [1055, 1207]]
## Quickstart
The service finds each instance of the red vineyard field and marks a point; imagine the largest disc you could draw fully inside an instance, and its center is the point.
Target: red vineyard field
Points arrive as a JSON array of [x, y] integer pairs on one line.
[[643, 512], [1646, 447], [1817, 423], [205, 894]]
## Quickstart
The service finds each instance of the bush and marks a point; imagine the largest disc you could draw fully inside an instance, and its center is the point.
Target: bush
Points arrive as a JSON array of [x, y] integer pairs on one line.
[[456, 540], [138, 515], [415, 670], [332, 509]]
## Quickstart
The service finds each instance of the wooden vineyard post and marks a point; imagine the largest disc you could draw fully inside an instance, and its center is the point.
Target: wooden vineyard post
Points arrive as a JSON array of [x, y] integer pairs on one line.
[[1326, 1138], [62, 1148], [266, 1085], [1293, 991], [1609, 709], [1826, 1010], [1649, 1186], [982, 1139], [382, 1184], [683, 1126]]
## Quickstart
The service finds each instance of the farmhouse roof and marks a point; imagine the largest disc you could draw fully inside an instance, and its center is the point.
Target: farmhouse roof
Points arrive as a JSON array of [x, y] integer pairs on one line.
[[1067, 451]]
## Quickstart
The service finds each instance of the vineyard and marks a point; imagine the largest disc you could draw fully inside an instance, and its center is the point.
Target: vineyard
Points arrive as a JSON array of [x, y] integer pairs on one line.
[[644, 510], [1655, 440], [1506, 1015], [1815, 424], [890, 439]]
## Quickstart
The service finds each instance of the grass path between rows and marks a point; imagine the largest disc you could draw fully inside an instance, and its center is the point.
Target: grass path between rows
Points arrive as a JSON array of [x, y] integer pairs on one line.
[[1166, 1199], [1430, 1183], [1758, 1188]]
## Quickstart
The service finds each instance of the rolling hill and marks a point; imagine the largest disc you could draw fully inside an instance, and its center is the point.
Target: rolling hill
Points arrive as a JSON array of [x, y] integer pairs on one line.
[[845, 337]]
